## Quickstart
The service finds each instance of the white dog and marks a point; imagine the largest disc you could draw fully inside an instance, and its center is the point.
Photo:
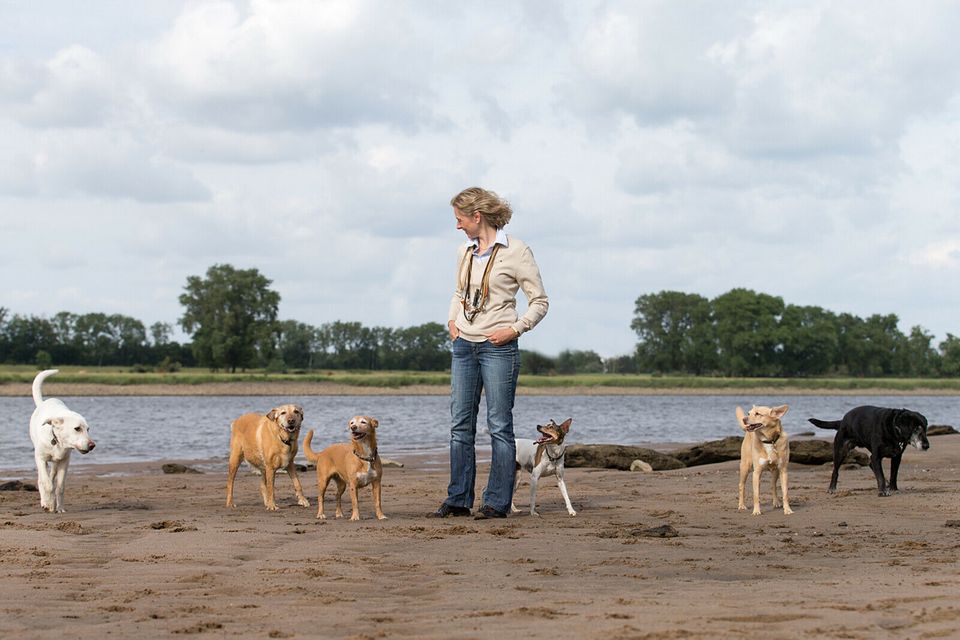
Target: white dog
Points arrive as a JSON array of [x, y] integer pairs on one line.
[[544, 457], [55, 431]]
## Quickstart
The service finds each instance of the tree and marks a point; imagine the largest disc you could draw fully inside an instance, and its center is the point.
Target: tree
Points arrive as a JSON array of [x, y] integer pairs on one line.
[[919, 356], [229, 313], [950, 356], [747, 331], [675, 332], [808, 341]]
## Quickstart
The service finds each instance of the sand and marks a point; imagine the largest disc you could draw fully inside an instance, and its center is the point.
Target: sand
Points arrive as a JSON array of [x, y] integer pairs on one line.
[[141, 553]]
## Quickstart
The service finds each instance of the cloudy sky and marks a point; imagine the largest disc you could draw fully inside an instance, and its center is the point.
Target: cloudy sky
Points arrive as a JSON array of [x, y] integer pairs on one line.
[[809, 150]]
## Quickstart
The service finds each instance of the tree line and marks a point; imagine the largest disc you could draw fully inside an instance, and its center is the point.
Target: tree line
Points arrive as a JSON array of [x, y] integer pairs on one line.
[[231, 316], [745, 333]]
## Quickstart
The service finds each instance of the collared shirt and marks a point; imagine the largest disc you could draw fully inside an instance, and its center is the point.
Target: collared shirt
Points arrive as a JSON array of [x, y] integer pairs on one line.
[[515, 269], [474, 244]]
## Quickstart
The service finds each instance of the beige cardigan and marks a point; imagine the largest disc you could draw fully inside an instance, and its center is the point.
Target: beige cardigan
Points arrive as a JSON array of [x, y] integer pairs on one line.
[[514, 269]]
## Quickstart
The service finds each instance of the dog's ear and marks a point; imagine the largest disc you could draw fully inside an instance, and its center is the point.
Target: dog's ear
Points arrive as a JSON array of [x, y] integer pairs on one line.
[[54, 422], [565, 427], [373, 422], [741, 416], [272, 416], [778, 412], [299, 410]]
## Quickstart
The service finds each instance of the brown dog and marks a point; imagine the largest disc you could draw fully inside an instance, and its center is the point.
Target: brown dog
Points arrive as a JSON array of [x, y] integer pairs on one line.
[[268, 443], [765, 447], [356, 464]]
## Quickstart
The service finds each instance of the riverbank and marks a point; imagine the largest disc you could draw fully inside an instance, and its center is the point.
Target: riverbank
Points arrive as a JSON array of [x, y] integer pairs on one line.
[[656, 556], [52, 388]]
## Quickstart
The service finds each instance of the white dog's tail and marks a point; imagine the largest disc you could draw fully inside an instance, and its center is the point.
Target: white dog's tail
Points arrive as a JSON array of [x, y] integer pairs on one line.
[[38, 385]]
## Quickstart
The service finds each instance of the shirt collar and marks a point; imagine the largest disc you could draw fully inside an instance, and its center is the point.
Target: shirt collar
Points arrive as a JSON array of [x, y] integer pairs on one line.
[[501, 239]]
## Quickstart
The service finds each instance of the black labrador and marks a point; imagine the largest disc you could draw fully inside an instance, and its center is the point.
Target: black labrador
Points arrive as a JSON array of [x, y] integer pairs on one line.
[[885, 432]]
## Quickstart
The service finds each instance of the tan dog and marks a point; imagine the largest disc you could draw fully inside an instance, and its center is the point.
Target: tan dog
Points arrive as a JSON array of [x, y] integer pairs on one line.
[[268, 443], [356, 464], [765, 447]]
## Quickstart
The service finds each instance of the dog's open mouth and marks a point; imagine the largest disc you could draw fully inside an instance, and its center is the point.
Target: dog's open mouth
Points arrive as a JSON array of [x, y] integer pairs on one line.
[[290, 428], [358, 435], [752, 426]]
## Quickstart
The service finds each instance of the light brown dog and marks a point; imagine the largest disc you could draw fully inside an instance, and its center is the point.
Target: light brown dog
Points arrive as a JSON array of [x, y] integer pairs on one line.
[[355, 464], [765, 447], [268, 442]]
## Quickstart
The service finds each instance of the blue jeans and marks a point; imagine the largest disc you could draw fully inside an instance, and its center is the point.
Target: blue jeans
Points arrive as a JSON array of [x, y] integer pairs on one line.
[[483, 366]]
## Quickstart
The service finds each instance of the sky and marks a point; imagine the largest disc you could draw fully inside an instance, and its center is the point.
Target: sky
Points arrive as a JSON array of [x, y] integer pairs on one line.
[[807, 150]]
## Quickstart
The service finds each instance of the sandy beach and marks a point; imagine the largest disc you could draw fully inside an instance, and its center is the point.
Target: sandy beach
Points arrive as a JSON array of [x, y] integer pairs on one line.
[[657, 555]]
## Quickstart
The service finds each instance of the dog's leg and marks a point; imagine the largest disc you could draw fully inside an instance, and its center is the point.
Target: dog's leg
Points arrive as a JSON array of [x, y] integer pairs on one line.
[[341, 487], [894, 470], [876, 463], [354, 501], [297, 487], [269, 478], [377, 507], [773, 485], [516, 485], [322, 483], [44, 485], [783, 488], [840, 450], [757, 470], [236, 457], [563, 490], [534, 479], [59, 483], [744, 472]]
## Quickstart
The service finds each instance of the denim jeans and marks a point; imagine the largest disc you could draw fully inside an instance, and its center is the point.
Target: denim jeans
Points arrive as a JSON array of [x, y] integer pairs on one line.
[[482, 366]]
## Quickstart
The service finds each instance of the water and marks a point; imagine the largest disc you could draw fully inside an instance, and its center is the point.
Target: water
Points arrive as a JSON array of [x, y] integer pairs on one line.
[[143, 429]]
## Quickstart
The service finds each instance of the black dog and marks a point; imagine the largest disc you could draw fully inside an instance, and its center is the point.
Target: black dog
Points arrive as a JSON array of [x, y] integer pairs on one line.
[[885, 432]]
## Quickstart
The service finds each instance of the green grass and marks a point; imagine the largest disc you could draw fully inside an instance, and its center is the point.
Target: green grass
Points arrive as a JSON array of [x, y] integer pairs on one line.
[[398, 379]]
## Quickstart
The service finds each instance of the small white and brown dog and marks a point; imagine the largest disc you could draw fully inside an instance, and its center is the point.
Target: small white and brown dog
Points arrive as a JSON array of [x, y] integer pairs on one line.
[[55, 431], [765, 447], [544, 457]]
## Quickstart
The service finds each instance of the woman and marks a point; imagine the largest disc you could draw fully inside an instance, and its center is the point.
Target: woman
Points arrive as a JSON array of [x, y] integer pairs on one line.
[[484, 328]]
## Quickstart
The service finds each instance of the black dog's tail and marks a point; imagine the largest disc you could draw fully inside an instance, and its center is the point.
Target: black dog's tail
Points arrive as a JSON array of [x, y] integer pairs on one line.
[[825, 424]]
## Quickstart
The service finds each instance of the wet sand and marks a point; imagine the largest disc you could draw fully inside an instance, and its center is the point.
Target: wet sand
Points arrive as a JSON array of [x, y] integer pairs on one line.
[[141, 553]]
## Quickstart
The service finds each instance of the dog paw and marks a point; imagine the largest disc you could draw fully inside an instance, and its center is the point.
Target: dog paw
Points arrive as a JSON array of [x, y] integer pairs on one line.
[[757, 512], [321, 516], [787, 511], [572, 512], [355, 518], [381, 517], [535, 514], [742, 507], [303, 502], [272, 507]]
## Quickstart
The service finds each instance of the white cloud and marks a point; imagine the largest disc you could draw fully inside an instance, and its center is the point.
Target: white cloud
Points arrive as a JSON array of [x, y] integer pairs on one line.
[[806, 150]]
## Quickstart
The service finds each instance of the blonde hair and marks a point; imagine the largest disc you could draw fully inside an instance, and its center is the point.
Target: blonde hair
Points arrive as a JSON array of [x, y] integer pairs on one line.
[[494, 209]]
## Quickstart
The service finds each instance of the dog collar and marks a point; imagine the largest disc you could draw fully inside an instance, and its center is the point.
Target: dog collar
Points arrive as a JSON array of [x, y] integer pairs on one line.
[[563, 450], [770, 441], [365, 458]]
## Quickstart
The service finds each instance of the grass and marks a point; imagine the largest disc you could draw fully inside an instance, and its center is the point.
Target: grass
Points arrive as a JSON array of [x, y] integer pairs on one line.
[[396, 379]]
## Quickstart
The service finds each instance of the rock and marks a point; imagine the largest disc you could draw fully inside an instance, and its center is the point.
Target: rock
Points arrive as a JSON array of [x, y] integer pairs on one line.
[[640, 465], [821, 452], [178, 468], [710, 452], [617, 456], [16, 485], [953, 524], [940, 430]]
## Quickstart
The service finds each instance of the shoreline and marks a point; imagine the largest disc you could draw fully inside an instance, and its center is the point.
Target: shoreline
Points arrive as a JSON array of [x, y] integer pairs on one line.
[[67, 389]]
